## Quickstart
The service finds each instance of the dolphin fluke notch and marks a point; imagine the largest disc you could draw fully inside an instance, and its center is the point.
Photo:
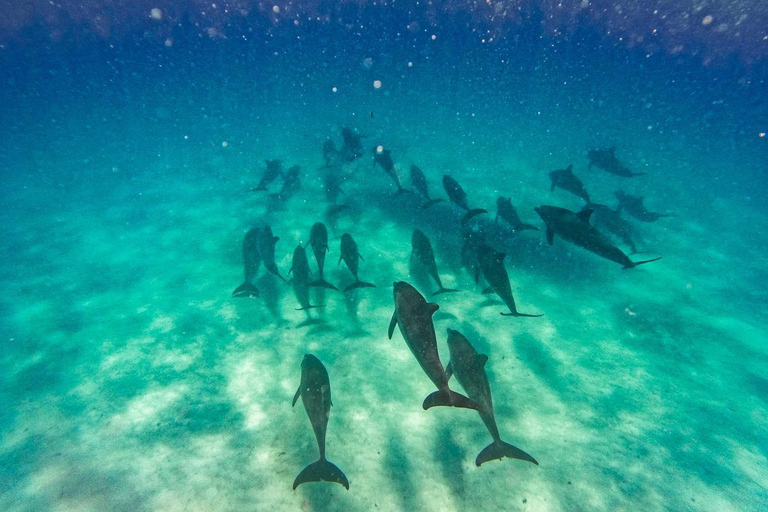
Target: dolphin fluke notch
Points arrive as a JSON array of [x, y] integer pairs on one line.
[[246, 290], [449, 398], [636, 263], [322, 470], [499, 450], [323, 283], [359, 284], [472, 213]]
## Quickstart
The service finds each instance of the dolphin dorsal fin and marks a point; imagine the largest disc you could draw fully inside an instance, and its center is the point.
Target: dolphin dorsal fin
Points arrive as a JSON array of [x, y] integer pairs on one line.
[[296, 396], [569, 168], [482, 358], [585, 214], [432, 307]]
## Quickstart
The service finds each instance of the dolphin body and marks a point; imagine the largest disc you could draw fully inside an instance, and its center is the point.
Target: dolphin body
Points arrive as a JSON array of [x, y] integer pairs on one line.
[[492, 266], [414, 316], [351, 257], [315, 393], [291, 184], [422, 250], [384, 159], [566, 180], [634, 206], [267, 244], [575, 228], [251, 262], [300, 280], [273, 170], [506, 211], [351, 147], [469, 368], [611, 221], [419, 182], [458, 197], [318, 240], [606, 160]]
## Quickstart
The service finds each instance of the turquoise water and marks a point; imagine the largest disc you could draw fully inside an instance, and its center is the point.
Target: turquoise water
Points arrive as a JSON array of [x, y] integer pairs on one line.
[[131, 379]]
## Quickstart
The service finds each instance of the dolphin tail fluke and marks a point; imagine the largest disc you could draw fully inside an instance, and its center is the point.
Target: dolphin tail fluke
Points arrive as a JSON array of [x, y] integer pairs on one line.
[[499, 450], [324, 284], [431, 202], [470, 214], [636, 263], [321, 471], [449, 398], [246, 290], [445, 290], [516, 313], [359, 284]]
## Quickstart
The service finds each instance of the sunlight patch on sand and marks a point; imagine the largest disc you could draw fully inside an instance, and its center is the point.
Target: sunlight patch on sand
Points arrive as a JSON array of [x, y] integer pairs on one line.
[[147, 408]]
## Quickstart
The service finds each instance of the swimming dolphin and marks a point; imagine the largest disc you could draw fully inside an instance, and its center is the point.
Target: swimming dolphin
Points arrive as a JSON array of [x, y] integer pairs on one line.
[[606, 160], [611, 221], [492, 266], [419, 182], [330, 154], [384, 159], [458, 197], [566, 180], [273, 170], [414, 316], [422, 249], [267, 244], [351, 147], [469, 368], [300, 279], [318, 240], [506, 211], [291, 184], [634, 206], [251, 262], [351, 257], [575, 228], [471, 241], [315, 393]]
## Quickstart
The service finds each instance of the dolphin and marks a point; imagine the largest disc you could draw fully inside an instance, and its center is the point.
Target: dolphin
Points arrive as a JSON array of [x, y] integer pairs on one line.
[[414, 316], [506, 211], [566, 180], [251, 262], [267, 244], [469, 368], [315, 393], [606, 160], [318, 240], [492, 265], [291, 184], [273, 170], [330, 154], [384, 159], [351, 147], [611, 221], [422, 249], [458, 197], [351, 257], [419, 182], [634, 206], [575, 228], [300, 280], [471, 241]]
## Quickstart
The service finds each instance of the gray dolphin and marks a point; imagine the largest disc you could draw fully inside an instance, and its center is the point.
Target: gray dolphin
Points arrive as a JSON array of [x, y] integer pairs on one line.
[[414, 316], [273, 170], [315, 393], [351, 147], [469, 368], [606, 160], [300, 279], [634, 206], [575, 228], [351, 257], [492, 266], [422, 249], [419, 182], [251, 262], [384, 159], [291, 184], [458, 197], [611, 221], [267, 244], [566, 180], [318, 240], [506, 211]]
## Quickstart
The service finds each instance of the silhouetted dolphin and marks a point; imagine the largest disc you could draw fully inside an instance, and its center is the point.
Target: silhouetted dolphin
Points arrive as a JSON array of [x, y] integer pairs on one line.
[[332, 185], [351, 147], [575, 228], [419, 182], [506, 211], [300, 279], [422, 249], [606, 160], [471, 241], [291, 184], [414, 316], [267, 244], [273, 170], [458, 197], [566, 180], [384, 159], [318, 239], [611, 221], [351, 257], [492, 265], [634, 206], [330, 154], [315, 393], [251, 262], [469, 368]]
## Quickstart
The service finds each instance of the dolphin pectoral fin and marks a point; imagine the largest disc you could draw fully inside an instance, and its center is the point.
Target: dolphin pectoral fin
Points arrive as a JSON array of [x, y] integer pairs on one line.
[[401, 191], [449, 371], [246, 290], [524, 226], [339, 263], [321, 471], [550, 235], [488, 291], [482, 358], [499, 450], [449, 398], [470, 214], [310, 307], [636, 263], [360, 256], [296, 396], [432, 307], [585, 214], [392, 324]]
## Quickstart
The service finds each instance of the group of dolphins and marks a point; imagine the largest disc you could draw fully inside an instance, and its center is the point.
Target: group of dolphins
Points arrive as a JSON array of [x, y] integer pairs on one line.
[[413, 314]]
